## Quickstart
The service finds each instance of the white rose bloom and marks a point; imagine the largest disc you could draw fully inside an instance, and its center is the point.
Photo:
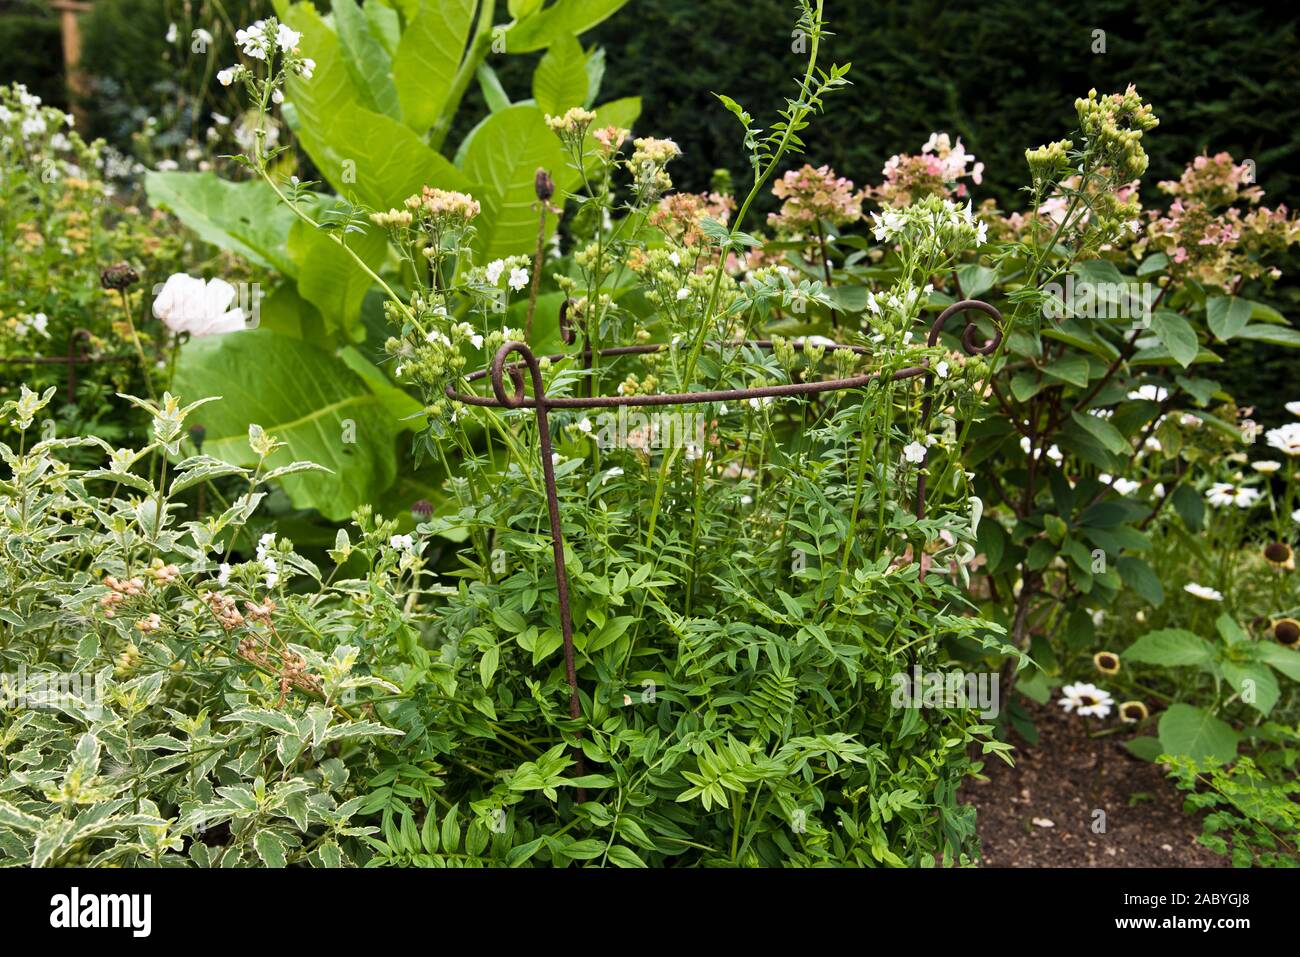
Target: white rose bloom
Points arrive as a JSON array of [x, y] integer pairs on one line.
[[200, 308]]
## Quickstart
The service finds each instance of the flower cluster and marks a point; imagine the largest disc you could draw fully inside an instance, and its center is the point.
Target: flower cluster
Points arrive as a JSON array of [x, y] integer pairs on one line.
[[1113, 126], [649, 158], [938, 170], [934, 222], [679, 215], [813, 195], [1209, 239]]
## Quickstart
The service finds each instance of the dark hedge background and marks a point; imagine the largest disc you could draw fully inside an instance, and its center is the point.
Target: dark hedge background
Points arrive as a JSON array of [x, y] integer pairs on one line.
[[1002, 74]]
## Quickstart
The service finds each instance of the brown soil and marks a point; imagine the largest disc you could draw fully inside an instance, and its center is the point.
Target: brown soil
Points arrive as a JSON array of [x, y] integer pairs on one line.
[[1065, 779]]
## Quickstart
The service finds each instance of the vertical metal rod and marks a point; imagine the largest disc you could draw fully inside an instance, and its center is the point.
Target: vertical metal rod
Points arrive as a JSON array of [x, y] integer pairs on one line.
[[553, 510]]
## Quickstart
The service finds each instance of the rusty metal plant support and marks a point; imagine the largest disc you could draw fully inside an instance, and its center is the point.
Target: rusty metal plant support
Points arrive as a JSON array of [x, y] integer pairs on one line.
[[78, 354], [517, 398]]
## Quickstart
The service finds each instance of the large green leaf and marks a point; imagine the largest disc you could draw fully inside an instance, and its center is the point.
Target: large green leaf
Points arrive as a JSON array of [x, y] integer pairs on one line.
[[560, 80], [428, 56], [1254, 682], [245, 218], [314, 104], [1177, 335], [1170, 647], [376, 159], [1196, 733], [562, 18], [504, 156], [1227, 315], [329, 278], [304, 396], [1283, 659], [367, 61]]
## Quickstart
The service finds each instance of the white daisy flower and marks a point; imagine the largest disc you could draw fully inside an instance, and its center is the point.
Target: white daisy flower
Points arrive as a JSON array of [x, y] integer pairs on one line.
[[1086, 700], [1285, 439], [1223, 494], [1203, 591]]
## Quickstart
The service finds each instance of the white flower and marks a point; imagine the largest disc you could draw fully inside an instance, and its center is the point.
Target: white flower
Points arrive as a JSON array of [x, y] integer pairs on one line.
[[286, 39], [584, 425], [1053, 452], [676, 260], [1267, 466], [172, 33], [306, 67], [403, 543], [277, 96], [615, 472], [494, 270], [1086, 700], [1150, 393], [1223, 494], [1293, 408], [251, 40], [191, 305], [914, 452], [518, 278], [682, 293], [1286, 439], [203, 36], [1122, 485], [1191, 421], [223, 574], [759, 401], [225, 78], [746, 500], [1203, 591], [1295, 516], [941, 370]]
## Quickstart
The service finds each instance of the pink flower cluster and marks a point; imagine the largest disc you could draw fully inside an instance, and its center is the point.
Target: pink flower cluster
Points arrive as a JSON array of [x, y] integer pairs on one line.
[[938, 170], [1212, 241], [814, 194]]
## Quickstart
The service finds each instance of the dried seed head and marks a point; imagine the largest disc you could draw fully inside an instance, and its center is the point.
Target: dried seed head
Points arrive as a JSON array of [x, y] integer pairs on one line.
[[543, 185], [119, 276]]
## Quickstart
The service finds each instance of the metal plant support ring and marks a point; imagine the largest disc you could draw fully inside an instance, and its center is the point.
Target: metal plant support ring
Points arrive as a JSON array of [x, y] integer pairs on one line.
[[515, 397]]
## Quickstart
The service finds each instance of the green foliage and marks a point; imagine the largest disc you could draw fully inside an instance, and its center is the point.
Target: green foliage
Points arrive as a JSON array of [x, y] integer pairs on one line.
[[1249, 817]]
